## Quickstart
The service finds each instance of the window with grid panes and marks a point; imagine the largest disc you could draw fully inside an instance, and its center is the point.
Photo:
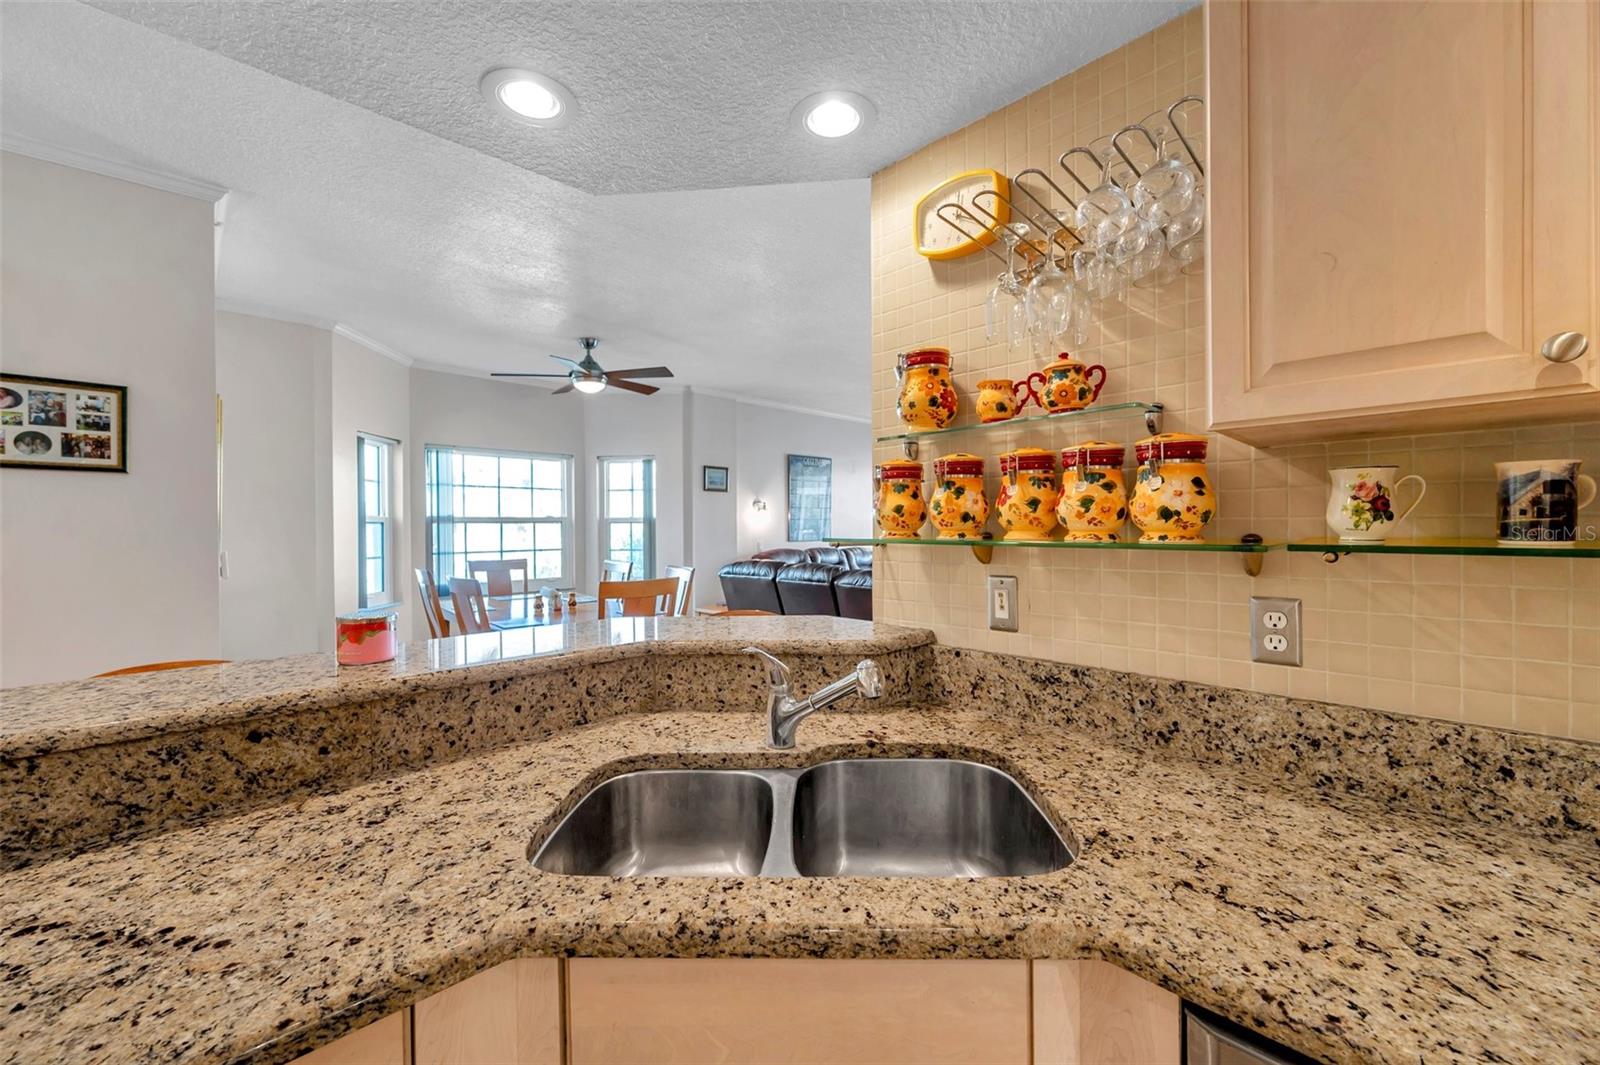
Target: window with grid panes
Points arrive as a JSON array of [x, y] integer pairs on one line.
[[628, 513], [500, 505]]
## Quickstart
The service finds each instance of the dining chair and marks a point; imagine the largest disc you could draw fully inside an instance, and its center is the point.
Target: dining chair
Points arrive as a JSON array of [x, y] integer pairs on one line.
[[438, 624], [685, 578], [157, 667], [639, 598], [616, 569], [472, 613], [497, 574]]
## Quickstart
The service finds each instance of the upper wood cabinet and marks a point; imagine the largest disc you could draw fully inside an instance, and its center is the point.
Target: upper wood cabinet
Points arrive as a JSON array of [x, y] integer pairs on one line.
[[1403, 208]]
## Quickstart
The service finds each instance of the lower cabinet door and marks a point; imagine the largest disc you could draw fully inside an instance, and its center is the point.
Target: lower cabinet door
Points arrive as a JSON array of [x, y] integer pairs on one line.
[[1093, 1013], [508, 1015], [648, 1010], [382, 1042]]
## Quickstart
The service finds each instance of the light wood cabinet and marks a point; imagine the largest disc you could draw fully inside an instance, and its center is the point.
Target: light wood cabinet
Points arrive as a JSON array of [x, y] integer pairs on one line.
[[1093, 1013], [383, 1042], [645, 1010], [1403, 207], [508, 1015], [673, 1011]]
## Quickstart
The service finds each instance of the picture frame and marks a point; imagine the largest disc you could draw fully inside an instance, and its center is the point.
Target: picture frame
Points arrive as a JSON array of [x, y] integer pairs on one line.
[[713, 478], [810, 498], [55, 423]]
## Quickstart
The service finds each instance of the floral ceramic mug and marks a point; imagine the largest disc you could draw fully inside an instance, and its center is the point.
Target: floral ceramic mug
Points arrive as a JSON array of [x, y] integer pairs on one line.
[[1361, 501]]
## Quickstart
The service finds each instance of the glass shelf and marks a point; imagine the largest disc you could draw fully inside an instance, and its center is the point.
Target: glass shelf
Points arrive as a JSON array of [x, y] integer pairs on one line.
[[1089, 545], [983, 550], [1147, 408], [1482, 547]]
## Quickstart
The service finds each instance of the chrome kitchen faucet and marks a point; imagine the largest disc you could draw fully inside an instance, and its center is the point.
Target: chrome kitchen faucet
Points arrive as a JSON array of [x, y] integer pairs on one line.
[[784, 712]]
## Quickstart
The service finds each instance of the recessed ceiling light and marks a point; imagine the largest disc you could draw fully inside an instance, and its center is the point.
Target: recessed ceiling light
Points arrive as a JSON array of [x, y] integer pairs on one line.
[[834, 114], [530, 98]]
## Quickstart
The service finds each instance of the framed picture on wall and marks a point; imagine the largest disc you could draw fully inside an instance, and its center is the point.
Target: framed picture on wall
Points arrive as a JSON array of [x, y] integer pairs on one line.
[[810, 498], [713, 478], [53, 424]]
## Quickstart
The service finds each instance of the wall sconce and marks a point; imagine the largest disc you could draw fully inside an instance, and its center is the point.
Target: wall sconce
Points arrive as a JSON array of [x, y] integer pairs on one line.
[[758, 505]]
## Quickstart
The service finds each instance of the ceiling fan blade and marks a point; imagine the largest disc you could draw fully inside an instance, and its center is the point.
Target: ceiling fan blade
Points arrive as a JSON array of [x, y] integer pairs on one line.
[[629, 386], [642, 371], [529, 375], [563, 388], [570, 362]]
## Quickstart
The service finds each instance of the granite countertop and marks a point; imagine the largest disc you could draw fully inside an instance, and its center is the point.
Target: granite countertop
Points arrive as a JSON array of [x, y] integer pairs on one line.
[[49, 717], [1351, 931]]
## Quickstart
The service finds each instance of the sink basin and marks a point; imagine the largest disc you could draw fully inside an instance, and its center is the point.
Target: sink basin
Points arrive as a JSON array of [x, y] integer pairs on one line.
[[919, 817], [900, 817], [665, 822]]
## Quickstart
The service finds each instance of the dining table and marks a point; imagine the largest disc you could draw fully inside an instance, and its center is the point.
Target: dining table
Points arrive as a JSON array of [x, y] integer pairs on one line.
[[515, 611]]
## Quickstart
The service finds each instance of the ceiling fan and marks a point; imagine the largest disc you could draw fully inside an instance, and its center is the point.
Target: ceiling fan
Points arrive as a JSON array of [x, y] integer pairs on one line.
[[588, 376]]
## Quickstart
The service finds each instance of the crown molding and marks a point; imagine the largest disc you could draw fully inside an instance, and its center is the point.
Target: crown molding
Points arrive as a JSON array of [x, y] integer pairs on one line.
[[774, 405], [376, 345], [261, 310], [114, 168]]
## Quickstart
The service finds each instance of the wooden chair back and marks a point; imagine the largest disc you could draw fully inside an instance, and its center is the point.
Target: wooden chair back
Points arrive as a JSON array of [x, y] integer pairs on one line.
[[157, 667], [616, 569], [640, 599], [684, 575], [497, 574], [472, 613], [438, 624]]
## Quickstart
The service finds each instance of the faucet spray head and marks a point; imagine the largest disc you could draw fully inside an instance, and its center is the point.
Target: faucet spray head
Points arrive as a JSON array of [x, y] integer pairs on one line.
[[869, 679]]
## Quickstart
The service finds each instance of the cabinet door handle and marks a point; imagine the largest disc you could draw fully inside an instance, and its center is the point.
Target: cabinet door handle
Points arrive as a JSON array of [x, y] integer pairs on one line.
[[1565, 347]]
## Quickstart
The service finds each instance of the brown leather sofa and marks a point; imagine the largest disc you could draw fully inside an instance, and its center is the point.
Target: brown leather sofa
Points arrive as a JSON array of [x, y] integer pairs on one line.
[[801, 580]]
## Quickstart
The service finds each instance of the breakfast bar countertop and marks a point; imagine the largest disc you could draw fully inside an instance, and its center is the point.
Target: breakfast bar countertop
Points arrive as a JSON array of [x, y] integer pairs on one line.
[[1348, 929]]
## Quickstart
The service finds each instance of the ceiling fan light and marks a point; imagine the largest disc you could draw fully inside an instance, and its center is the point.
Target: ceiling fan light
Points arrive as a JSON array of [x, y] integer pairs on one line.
[[590, 385]]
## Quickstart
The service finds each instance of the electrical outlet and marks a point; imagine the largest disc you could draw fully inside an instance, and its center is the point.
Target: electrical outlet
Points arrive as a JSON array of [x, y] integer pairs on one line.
[[1275, 630], [1005, 612]]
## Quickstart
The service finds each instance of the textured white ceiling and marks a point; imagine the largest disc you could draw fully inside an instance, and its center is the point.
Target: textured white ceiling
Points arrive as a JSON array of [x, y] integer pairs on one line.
[[448, 255], [671, 94]]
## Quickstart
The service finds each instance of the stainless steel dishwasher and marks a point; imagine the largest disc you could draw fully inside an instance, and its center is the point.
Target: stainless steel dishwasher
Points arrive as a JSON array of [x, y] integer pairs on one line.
[[1212, 1040]]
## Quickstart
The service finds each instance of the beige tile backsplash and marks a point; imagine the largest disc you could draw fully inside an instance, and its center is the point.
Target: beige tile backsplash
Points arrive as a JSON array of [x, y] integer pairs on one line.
[[1506, 642]]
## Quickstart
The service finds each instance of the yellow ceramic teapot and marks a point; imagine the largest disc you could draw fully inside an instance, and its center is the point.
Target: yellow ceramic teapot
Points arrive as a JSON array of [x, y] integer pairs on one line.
[[1066, 384], [1029, 492], [927, 397]]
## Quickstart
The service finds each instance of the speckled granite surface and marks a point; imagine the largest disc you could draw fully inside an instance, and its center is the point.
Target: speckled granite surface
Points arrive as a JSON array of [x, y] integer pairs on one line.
[[46, 717], [1536, 783], [1334, 924], [280, 737]]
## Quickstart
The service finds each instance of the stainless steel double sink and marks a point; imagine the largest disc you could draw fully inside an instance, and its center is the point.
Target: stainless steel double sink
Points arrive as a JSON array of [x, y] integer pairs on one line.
[[887, 817]]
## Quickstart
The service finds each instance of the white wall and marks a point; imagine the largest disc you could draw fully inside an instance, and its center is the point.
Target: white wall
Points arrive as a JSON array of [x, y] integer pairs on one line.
[[712, 430], [625, 425], [371, 393], [276, 511], [109, 282], [456, 411], [766, 437]]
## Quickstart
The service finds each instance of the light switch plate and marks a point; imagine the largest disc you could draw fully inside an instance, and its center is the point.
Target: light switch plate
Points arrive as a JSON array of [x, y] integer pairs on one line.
[[1005, 612], [1275, 630]]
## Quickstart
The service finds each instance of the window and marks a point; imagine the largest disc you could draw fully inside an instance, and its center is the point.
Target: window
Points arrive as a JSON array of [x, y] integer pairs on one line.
[[500, 504], [628, 513], [374, 506]]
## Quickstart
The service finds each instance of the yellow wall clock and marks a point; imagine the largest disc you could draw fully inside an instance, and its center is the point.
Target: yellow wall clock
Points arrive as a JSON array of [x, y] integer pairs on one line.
[[935, 239]]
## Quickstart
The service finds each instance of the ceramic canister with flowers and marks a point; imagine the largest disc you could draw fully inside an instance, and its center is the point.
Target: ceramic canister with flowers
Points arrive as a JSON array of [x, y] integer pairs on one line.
[[958, 506], [927, 397], [1029, 492], [1094, 491], [1172, 497], [899, 504], [1361, 501]]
